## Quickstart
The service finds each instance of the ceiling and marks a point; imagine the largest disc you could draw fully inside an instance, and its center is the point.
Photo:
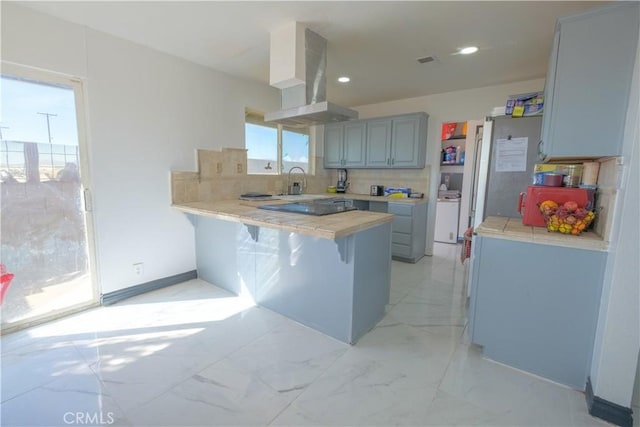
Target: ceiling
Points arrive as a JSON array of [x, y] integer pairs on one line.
[[375, 43]]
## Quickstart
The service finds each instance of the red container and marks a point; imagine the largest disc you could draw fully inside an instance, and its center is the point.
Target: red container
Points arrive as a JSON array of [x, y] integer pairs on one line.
[[529, 201]]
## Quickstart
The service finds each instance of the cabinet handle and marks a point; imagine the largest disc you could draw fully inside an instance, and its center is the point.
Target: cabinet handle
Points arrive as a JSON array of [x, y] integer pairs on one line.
[[393, 161], [388, 161], [541, 155]]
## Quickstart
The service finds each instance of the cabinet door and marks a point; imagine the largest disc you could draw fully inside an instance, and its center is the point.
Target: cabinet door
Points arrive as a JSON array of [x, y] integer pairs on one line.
[[354, 144], [592, 80], [379, 143], [333, 146], [549, 84], [378, 206], [524, 319], [406, 142]]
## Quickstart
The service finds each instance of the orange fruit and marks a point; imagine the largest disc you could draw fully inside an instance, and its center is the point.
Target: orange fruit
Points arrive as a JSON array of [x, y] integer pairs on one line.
[[548, 204]]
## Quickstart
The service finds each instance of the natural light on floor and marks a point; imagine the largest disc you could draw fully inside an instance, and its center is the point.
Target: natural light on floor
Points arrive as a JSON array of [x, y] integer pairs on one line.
[[209, 310]]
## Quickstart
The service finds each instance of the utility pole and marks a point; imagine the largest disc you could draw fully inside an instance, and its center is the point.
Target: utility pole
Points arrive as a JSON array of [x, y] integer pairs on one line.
[[50, 142], [6, 148], [48, 126]]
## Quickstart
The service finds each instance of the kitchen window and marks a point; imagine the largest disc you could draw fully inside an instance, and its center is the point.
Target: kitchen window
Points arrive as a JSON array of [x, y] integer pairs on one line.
[[274, 149]]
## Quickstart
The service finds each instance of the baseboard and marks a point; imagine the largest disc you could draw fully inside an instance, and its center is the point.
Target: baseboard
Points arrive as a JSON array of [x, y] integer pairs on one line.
[[119, 295], [608, 411], [412, 260]]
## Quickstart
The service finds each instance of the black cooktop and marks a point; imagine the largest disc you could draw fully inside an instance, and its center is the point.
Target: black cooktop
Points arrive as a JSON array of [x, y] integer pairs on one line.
[[310, 208]]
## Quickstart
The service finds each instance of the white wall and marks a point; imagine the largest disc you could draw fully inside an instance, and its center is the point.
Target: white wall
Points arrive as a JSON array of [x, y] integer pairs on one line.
[[147, 113], [473, 104], [615, 358]]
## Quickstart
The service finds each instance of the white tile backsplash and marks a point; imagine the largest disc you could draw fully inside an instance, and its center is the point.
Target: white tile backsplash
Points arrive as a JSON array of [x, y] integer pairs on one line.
[[223, 175]]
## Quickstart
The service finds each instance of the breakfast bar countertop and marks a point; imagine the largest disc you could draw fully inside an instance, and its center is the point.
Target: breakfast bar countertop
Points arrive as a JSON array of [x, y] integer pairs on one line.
[[513, 229], [327, 226]]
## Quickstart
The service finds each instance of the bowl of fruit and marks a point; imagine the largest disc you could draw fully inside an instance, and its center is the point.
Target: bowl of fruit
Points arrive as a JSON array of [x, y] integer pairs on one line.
[[566, 218]]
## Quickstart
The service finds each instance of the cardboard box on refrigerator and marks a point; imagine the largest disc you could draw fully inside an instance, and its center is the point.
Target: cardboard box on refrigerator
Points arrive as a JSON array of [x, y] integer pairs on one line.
[[525, 104]]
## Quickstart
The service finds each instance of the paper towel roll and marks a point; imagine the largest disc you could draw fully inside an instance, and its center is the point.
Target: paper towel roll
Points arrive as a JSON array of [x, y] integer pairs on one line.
[[590, 173]]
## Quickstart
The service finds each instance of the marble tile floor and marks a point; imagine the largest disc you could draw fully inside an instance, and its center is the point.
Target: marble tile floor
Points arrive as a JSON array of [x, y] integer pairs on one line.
[[194, 355]]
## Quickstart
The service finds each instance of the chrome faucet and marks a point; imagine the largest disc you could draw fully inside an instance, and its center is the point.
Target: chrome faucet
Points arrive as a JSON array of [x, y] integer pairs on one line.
[[296, 189]]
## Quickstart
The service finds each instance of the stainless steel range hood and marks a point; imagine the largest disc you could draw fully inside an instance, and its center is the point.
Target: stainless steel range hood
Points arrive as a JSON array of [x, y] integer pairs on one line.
[[298, 69]]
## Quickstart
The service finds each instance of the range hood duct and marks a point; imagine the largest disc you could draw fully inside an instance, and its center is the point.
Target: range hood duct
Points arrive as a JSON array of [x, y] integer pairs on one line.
[[298, 68]]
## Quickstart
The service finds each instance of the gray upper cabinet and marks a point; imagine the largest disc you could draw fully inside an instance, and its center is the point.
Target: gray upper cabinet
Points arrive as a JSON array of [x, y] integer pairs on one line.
[[344, 144], [589, 82], [386, 142], [378, 143], [397, 142], [333, 145], [408, 145], [354, 144]]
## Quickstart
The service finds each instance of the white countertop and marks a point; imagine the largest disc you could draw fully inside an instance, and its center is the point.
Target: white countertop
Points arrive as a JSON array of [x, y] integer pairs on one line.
[[513, 229], [326, 226]]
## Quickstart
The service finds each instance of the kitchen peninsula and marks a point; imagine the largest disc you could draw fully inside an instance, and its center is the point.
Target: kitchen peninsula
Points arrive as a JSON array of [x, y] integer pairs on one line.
[[331, 273]]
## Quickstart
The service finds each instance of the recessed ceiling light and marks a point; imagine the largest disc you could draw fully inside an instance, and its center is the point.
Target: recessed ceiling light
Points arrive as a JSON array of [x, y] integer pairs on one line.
[[468, 50], [344, 79]]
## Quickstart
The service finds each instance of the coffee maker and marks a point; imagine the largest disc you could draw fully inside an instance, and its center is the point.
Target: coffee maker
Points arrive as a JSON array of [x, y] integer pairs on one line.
[[341, 187]]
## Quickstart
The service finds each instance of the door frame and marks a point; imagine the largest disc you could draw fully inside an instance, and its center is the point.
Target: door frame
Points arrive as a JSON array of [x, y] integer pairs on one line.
[[81, 101]]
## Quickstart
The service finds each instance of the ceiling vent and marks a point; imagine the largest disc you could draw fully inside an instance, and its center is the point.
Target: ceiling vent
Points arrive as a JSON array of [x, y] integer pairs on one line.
[[298, 61], [426, 59]]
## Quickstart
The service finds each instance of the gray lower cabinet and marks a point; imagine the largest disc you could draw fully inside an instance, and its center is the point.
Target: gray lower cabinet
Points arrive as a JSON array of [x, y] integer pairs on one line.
[[344, 145], [409, 229], [385, 142], [588, 83], [378, 206], [362, 205], [535, 307]]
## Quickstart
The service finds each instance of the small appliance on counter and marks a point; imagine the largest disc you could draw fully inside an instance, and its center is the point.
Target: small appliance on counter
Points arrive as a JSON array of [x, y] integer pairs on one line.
[[377, 190], [528, 204], [341, 186]]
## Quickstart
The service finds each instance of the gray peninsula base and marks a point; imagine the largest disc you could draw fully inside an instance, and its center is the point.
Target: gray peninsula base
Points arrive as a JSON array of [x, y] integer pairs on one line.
[[338, 287]]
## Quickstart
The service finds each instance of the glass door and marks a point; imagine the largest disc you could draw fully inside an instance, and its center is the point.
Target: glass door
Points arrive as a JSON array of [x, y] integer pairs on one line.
[[46, 250]]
